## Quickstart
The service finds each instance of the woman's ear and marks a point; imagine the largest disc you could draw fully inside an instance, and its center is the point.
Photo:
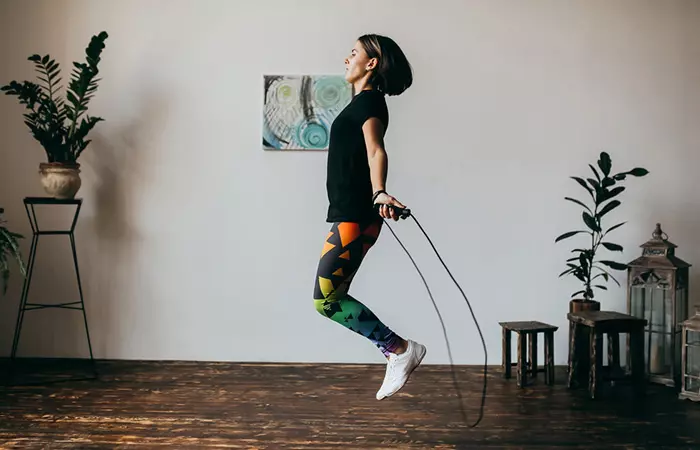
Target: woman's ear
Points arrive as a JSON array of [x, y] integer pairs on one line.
[[372, 64]]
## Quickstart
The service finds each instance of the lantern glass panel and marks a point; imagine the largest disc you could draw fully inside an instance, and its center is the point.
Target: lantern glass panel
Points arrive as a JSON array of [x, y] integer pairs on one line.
[[654, 302], [692, 385], [692, 369], [638, 294]]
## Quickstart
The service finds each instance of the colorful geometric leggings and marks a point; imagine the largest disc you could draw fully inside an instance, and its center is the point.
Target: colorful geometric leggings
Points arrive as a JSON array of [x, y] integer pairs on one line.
[[345, 247]]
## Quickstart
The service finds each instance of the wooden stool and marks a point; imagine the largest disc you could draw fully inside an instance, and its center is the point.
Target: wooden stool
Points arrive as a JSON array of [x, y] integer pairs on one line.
[[597, 323], [528, 366]]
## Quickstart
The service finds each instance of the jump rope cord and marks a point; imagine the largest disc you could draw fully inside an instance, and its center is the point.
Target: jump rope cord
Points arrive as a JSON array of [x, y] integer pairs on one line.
[[449, 351]]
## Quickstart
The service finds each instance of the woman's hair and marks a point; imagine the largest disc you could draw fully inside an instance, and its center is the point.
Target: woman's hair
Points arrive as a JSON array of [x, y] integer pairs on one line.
[[393, 73]]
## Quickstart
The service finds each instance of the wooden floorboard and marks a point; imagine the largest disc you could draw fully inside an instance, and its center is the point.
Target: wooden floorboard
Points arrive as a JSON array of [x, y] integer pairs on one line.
[[313, 406]]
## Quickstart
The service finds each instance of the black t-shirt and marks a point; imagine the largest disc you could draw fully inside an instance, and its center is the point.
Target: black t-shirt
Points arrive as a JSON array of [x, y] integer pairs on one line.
[[348, 179]]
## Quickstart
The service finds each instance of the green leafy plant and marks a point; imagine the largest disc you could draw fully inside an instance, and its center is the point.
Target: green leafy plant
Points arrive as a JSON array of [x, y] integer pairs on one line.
[[9, 249], [604, 191], [61, 125]]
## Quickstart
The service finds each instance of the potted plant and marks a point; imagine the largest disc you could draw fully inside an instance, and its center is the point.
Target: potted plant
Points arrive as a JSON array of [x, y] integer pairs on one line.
[[9, 249], [585, 265], [60, 125]]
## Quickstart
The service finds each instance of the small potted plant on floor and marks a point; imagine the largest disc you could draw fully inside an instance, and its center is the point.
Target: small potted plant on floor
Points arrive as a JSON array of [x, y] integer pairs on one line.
[[9, 249], [604, 190], [60, 125]]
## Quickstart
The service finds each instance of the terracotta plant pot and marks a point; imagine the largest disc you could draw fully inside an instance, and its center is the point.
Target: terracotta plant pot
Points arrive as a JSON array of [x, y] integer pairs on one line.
[[577, 305], [60, 180]]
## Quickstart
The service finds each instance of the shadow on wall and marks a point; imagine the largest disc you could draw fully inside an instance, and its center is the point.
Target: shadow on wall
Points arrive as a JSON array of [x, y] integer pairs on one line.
[[120, 167]]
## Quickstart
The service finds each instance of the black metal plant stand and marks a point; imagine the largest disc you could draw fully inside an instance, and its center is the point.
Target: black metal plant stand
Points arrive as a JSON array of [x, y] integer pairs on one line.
[[29, 204]]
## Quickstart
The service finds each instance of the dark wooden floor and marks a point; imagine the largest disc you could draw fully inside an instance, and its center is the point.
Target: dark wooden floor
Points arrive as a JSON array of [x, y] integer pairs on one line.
[[281, 406]]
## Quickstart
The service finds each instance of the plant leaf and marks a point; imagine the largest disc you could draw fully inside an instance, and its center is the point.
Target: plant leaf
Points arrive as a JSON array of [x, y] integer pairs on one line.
[[607, 208], [9, 243], [614, 227], [590, 221], [638, 172], [595, 172], [585, 186], [615, 265], [568, 235], [594, 183], [604, 275], [577, 293], [578, 202], [566, 272], [612, 247], [601, 287], [611, 194], [605, 163], [608, 274]]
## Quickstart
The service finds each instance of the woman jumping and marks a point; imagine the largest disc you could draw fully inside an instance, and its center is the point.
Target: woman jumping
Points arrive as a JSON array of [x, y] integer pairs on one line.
[[356, 181]]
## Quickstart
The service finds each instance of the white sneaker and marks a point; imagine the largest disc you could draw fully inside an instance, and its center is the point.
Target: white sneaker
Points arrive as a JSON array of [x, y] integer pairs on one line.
[[399, 368]]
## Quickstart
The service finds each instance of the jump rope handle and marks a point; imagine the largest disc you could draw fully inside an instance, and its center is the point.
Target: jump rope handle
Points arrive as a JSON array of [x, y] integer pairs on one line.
[[403, 213]]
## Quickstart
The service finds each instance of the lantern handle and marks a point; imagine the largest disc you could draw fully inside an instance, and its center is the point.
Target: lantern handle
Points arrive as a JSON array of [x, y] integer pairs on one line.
[[659, 234]]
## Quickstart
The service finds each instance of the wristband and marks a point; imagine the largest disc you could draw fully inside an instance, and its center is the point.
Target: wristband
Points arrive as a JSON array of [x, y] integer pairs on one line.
[[376, 194]]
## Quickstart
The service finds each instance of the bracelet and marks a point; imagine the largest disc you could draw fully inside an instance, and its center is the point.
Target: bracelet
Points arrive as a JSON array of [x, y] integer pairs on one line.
[[376, 194]]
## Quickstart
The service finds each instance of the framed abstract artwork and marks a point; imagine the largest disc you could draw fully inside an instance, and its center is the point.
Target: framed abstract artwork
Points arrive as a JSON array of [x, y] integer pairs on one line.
[[298, 110]]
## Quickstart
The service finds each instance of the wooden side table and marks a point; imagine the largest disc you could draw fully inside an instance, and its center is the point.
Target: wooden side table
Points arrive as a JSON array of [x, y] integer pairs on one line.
[[527, 339], [596, 324]]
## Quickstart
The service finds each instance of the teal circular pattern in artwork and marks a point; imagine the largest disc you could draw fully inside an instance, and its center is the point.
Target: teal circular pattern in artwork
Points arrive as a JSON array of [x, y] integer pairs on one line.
[[331, 92], [313, 135]]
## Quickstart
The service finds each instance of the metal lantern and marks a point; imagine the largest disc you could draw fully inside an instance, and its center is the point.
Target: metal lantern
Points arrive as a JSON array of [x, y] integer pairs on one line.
[[690, 361], [657, 290]]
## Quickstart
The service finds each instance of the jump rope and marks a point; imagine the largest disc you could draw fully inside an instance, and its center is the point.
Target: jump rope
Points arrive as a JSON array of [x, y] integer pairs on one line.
[[404, 213]]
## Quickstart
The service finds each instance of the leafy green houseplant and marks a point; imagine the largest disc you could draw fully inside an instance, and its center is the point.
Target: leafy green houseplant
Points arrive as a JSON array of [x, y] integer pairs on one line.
[[587, 265], [60, 125], [9, 249]]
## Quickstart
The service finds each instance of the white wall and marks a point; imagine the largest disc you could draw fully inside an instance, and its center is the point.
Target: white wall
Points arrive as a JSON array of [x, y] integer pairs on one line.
[[196, 244]]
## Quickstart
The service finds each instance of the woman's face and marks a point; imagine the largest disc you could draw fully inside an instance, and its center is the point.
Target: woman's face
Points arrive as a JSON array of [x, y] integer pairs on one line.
[[358, 64]]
